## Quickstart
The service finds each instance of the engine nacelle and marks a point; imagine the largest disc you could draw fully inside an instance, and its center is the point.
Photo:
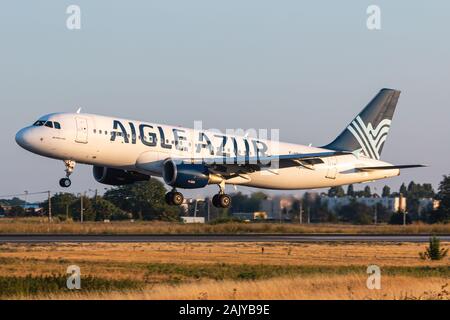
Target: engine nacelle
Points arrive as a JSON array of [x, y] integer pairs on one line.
[[186, 176], [116, 177]]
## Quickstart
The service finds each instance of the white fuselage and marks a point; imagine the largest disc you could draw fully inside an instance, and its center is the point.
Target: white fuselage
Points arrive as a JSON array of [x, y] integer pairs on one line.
[[143, 147]]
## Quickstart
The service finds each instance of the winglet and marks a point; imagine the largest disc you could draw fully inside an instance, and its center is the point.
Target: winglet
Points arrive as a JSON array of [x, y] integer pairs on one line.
[[79, 110]]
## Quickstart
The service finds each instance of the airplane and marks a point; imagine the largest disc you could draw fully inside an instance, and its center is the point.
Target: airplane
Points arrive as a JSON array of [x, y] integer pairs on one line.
[[125, 151]]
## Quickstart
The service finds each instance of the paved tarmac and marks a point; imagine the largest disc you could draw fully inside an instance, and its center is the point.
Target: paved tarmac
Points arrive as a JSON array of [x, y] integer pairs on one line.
[[123, 238]]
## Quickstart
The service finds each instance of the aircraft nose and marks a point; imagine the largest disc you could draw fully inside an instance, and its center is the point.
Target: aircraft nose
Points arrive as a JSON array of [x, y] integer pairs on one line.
[[24, 138]]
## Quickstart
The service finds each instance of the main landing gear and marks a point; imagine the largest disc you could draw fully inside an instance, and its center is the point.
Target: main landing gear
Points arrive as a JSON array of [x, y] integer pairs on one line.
[[220, 200], [174, 198], [70, 167]]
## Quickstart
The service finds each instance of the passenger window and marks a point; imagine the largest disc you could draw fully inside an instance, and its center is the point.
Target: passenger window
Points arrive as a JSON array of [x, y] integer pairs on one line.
[[49, 124], [106, 132], [100, 132], [57, 125]]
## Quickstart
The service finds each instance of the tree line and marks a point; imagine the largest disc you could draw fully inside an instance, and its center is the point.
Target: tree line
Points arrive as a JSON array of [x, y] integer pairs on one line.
[[145, 201]]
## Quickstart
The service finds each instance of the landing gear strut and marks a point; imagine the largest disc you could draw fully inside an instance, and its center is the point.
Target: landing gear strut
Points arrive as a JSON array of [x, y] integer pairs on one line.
[[70, 167], [174, 198], [221, 200]]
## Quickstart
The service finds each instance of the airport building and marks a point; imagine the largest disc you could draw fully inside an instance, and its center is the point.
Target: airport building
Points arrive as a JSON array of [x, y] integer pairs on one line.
[[279, 207], [391, 204]]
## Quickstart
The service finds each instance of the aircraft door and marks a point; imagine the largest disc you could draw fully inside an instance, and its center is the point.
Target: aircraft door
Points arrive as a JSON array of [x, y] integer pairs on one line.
[[82, 130], [332, 170]]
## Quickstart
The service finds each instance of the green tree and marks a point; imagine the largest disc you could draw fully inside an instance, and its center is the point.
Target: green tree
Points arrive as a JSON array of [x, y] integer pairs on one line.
[[145, 200], [13, 202], [386, 191], [412, 188], [105, 210], [397, 218], [259, 196], [434, 251], [88, 211], [321, 214], [350, 191], [239, 202], [17, 211], [244, 203], [357, 213], [61, 203], [442, 214], [383, 215], [415, 192], [427, 191], [367, 192], [403, 190], [337, 191], [2, 211], [295, 210]]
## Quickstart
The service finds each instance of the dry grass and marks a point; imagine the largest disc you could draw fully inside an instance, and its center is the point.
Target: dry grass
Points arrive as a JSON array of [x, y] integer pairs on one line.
[[337, 287], [324, 270], [323, 254], [41, 225]]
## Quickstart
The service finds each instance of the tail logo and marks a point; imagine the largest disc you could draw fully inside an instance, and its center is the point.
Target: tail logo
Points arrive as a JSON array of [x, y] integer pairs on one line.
[[370, 139]]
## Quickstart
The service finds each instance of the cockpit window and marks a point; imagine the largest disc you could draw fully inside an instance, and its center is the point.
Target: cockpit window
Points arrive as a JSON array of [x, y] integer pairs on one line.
[[49, 124], [39, 123]]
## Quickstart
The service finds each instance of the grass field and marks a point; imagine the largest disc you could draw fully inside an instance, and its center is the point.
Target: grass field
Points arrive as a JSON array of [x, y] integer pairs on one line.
[[221, 271], [41, 225]]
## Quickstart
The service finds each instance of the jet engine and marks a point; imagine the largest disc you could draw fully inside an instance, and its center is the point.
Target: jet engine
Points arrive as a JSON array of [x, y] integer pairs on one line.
[[117, 177], [185, 175]]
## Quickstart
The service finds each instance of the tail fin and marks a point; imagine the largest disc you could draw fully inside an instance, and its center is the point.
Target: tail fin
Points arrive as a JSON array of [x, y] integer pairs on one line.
[[368, 131]]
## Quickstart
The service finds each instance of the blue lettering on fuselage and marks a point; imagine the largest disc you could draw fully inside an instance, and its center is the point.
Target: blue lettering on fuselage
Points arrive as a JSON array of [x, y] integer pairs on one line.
[[147, 135], [164, 144], [149, 138], [122, 133]]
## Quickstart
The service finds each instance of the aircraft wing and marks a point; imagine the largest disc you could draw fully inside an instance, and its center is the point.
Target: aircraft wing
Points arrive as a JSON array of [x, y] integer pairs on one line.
[[402, 166], [242, 164]]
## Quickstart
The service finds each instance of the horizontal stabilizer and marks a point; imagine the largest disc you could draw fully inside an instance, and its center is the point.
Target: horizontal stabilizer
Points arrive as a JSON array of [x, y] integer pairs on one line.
[[405, 166]]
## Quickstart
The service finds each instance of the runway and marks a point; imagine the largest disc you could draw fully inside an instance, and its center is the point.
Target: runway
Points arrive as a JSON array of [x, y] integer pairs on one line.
[[299, 238]]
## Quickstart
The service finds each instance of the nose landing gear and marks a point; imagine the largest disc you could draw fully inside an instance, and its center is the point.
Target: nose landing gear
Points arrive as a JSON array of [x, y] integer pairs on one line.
[[70, 167], [65, 183]]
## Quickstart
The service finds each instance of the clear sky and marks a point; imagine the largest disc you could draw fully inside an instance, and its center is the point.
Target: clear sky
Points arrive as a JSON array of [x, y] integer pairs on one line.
[[304, 67]]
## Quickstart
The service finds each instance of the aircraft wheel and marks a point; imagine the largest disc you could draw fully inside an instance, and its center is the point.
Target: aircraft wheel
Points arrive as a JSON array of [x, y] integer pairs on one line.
[[215, 201], [174, 198], [65, 183], [221, 201], [168, 198], [177, 198], [224, 201]]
